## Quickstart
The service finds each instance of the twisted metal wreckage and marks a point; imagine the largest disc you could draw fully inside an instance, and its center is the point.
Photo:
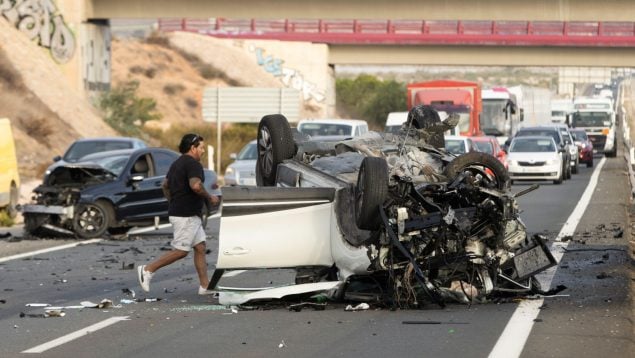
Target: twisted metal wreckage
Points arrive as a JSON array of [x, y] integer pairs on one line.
[[391, 219]]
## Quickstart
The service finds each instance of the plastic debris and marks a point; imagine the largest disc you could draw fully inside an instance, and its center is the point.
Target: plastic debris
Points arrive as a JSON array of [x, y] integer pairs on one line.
[[282, 344], [150, 299], [55, 313], [360, 307], [235, 310], [126, 301], [129, 292], [105, 303]]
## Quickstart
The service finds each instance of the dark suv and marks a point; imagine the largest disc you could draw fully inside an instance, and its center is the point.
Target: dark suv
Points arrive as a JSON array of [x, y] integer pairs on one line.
[[549, 131]]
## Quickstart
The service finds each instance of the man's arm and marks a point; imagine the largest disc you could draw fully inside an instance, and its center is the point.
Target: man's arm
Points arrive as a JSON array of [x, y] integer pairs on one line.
[[164, 187], [197, 186]]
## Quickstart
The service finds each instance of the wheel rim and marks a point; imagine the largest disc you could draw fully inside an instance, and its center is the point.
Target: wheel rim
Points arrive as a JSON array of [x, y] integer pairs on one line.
[[91, 219], [265, 151]]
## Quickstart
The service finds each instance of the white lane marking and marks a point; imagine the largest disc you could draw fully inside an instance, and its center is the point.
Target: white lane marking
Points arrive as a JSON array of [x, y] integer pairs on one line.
[[50, 249], [77, 334], [513, 339]]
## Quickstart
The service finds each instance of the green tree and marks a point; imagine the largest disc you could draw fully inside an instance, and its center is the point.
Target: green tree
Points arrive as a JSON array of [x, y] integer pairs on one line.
[[367, 97], [125, 111]]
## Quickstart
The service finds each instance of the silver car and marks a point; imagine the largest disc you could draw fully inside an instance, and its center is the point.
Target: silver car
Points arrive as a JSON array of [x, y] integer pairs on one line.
[[243, 170]]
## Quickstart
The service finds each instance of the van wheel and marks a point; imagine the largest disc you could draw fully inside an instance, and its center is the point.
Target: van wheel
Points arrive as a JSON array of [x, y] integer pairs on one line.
[[92, 220], [484, 165], [275, 144], [371, 192]]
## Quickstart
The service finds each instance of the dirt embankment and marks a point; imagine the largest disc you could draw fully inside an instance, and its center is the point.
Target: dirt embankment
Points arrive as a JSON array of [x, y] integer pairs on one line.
[[46, 113]]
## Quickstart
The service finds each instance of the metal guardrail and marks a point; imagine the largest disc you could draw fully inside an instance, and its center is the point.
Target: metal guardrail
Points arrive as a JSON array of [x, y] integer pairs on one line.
[[629, 151], [457, 32]]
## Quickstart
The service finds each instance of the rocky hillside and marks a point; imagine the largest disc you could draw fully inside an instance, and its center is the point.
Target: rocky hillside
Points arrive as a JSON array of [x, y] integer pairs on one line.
[[46, 113]]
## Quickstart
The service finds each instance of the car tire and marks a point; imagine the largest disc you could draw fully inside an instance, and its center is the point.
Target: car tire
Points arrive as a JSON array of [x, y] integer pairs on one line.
[[574, 169], [92, 219], [371, 192], [477, 161], [589, 164], [13, 201], [275, 144]]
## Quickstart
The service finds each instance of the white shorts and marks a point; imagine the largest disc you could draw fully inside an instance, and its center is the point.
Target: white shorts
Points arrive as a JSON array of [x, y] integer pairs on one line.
[[188, 232]]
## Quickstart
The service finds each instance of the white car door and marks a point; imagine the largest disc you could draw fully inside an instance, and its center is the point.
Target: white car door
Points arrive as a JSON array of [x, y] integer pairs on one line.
[[293, 227]]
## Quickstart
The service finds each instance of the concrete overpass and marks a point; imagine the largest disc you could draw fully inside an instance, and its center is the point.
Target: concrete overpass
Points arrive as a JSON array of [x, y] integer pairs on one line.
[[556, 10], [83, 48]]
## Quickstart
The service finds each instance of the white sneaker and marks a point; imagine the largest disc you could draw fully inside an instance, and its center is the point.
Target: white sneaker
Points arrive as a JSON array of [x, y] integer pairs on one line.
[[144, 277], [204, 292]]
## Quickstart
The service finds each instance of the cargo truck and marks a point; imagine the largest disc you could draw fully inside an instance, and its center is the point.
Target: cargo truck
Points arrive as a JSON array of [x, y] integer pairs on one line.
[[506, 109], [461, 98], [597, 117]]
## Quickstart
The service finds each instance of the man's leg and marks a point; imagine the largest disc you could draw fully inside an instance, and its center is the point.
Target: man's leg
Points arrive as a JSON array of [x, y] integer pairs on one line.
[[200, 262], [165, 259]]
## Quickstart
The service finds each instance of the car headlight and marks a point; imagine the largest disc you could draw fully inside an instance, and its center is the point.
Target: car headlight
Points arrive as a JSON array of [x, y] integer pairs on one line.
[[229, 171]]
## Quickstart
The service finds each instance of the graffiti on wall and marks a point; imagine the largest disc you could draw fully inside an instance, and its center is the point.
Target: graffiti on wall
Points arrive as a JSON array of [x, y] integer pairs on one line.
[[38, 19], [289, 77], [96, 58]]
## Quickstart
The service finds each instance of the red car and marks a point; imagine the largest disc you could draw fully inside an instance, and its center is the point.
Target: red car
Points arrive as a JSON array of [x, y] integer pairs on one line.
[[585, 146], [489, 145]]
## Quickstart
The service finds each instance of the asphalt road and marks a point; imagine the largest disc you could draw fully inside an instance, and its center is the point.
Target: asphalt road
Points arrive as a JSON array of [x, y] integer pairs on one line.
[[593, 317]]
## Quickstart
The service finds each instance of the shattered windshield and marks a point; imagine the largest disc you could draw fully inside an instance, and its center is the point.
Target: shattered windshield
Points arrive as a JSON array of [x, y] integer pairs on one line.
[[82, 149], [115, 164], [591, 119]]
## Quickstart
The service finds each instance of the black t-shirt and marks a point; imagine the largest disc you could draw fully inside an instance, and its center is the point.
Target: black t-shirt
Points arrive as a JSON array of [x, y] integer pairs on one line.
[[183, 200]]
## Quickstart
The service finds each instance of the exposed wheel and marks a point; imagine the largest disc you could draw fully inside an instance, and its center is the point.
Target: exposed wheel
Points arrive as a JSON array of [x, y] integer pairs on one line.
[[92, 219], [574, 169], [13, 201], [275, 144], [33, 223], [371, 192], [484, 165], [568, 172], [589, 164]]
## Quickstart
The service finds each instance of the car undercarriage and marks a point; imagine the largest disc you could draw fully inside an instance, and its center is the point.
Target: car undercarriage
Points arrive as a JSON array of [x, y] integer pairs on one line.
[[432, 226]]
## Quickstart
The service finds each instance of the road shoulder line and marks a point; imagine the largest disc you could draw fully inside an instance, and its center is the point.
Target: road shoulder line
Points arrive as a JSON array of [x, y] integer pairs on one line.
[[47, 250], [512, 341]]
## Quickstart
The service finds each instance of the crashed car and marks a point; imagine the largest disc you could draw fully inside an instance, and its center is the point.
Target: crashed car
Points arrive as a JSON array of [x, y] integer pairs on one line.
[[423, 224], [109, 191]]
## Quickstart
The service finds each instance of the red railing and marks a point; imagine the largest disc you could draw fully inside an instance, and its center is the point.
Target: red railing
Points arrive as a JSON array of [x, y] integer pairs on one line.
[[413, 32]]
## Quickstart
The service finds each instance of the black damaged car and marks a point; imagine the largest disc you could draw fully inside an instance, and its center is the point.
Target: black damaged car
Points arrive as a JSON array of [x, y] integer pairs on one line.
[[104, 192]]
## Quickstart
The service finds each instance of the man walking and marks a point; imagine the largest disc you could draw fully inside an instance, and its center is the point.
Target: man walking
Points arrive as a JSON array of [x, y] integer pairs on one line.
[[183, 187]]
